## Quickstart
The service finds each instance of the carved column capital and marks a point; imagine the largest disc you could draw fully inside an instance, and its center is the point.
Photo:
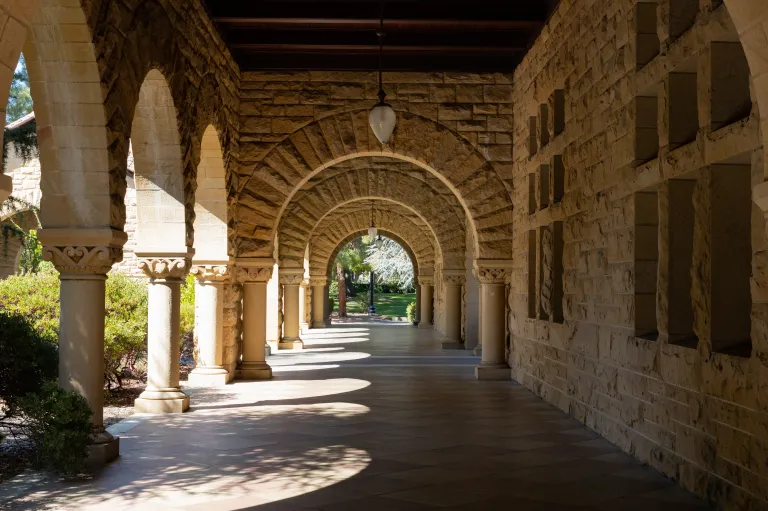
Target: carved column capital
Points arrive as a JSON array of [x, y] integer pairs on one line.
[[82, 252], [291, 278], [318, 281], [426, 280], [83, 260], [253, 274], [160, 267], [492, 271], [211, 272], [454, 280]]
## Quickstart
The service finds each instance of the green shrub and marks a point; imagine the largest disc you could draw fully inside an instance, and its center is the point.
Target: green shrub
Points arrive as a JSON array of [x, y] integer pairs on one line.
[[125, 329], [410, 312], [331, 304], [188, 305], [35, 297], [59, 423], [333, 287], [26, 359], [364, 299]]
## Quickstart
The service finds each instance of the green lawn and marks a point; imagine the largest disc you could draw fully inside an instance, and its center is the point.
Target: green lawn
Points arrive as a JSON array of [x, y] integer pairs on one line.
[[392, 305]]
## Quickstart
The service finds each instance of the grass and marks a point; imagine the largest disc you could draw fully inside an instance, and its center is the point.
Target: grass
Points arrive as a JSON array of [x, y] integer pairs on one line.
[[392, 305]]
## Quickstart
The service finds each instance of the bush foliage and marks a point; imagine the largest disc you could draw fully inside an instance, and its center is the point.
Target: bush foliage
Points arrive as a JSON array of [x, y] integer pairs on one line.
[[410, 312], [58, 422], [36, 297]]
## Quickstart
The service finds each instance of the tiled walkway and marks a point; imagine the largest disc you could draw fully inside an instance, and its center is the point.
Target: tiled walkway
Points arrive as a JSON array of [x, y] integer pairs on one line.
[[369, 418]]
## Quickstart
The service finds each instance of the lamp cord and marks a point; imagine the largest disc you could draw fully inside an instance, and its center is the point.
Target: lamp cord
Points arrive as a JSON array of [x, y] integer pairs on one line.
[[381, 49]]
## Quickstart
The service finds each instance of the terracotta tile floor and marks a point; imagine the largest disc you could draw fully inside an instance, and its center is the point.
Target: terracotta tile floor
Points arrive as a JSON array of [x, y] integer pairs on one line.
[[369, 417]]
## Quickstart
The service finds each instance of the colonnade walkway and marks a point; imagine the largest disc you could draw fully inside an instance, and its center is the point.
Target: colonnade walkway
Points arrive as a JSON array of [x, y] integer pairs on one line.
[[369, 417]]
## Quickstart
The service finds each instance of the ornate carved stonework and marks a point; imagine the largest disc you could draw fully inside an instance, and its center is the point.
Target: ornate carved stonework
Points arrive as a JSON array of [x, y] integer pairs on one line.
[[491, 275], [318, 281], [211, 272], [253, 274], [82, 260], [427, 280], [164, 268], [454, 280], [291, 279]]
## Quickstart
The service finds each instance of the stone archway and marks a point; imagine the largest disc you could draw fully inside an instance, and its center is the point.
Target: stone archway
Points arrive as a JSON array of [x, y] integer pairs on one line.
[[325, 242], [389, 234], [159, 180], [351, 221], [267, 192], [440, 211], [750, 17], [210, 225]]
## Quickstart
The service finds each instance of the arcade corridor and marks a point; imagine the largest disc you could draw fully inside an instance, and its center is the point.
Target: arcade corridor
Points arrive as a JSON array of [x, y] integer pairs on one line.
[[368, 417]]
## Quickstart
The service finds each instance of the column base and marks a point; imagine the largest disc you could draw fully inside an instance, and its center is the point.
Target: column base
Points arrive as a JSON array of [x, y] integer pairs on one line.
[[253, 371], [493, 372], [452, 345], [267, 350], [208, 377], [318, 324], [478, 350], [290, 344], [327, 322], [423, 324], [174, 401], [104, 449]]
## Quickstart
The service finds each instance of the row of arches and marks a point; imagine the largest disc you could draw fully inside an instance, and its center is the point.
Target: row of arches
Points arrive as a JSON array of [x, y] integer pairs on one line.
[[102, 87]]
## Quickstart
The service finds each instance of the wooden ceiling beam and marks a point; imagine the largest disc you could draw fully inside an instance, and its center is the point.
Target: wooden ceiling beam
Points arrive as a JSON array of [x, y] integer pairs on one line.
[[373, 24], [374, 49]]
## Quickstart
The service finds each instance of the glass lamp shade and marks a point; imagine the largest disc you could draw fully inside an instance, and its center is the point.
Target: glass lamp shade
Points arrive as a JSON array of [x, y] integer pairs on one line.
[[382, 120], [372, 232]]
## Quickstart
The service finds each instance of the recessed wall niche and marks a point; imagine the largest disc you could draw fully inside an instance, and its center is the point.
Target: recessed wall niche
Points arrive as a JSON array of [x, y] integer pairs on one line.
[[647, 44], [730, 99]]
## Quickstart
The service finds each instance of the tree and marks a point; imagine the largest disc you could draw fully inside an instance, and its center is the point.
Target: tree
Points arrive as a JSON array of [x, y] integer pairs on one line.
[[20, 98], [391, 262]]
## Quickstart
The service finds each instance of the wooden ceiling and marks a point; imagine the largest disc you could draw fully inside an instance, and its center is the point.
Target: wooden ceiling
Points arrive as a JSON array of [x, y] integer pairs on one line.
[[420, 35]]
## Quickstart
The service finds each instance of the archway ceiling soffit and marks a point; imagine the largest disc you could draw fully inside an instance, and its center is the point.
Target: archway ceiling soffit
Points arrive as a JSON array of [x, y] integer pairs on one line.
[[449, 243], [415, 261], [269, 188], [324, 244]]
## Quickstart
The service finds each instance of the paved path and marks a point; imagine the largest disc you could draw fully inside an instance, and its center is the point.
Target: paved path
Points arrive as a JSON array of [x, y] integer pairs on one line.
[[370, 417]]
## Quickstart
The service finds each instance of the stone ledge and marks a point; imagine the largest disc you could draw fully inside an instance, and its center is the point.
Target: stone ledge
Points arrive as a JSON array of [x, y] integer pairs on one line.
[[493, 372]]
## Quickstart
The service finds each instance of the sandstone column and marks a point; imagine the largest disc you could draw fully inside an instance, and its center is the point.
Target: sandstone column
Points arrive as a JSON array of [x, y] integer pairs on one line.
[[478, 349], [318, 301], [209, 325], [453, 282], [417, 317], [493, 365], [253, 365], [426, 301], [83, 260], [163, 393], [326, 306], [291, 279]]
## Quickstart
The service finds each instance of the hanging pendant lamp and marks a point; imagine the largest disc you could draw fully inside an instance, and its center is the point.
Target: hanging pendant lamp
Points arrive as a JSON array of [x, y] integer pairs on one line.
[[382, 118], [372, 229]]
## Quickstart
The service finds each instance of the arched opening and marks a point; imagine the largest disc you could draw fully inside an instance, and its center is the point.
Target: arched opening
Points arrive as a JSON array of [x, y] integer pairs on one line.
[[158, 175], [210, 224], [384, 260]]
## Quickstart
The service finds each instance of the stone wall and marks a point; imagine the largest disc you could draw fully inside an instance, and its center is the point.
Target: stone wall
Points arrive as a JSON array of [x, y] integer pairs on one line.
[[636, 147], [295, 123], [25, 176]]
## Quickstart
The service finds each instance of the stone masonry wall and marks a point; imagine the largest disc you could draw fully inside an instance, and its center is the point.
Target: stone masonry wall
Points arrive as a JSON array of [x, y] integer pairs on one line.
[[633, 306], [315, 117]]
